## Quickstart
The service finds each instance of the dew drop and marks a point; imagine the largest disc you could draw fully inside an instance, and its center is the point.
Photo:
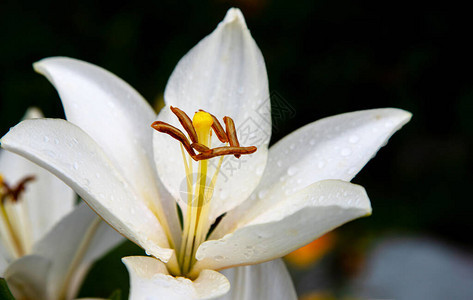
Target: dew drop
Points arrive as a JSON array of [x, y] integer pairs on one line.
[[56, 141], [291, 171], [345, 151], [321, 164], [312, 142], [218, 258], [279, 163], [97, 175], [223, 194], [51, 154], [354, 139], [292, 146], [351, 171], [259, 170], [241, 90], [75, 165], [46, 138], [262, 194]]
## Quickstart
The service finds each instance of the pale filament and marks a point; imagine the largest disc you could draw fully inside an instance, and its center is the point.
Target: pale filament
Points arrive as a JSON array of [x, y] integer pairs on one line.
[[15, 229], [199, 130]]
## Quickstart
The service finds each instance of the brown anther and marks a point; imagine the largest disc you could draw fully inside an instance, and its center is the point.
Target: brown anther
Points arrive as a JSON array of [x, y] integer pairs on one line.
[[231, 133], [15, 192], [217, 127], [200, 147], [175, 133], [186, 122], [225, 136], [219, 151]]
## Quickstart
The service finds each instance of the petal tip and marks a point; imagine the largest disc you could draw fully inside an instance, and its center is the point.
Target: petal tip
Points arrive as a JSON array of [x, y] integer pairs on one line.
[[234, 15]]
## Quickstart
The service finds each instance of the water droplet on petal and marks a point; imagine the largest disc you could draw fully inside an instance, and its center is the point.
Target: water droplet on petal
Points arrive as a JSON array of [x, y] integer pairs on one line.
[[354, 139], [75, 165], [291, 171], [46, 138], [262, 193], [345, 151]]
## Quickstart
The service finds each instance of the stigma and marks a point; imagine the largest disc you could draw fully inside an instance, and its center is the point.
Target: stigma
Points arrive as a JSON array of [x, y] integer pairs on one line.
[[199, 131], [197, 144]]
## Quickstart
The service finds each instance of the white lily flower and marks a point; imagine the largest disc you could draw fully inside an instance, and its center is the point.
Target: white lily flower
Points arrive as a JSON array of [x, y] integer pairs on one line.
[[272, 202], [46, 246]]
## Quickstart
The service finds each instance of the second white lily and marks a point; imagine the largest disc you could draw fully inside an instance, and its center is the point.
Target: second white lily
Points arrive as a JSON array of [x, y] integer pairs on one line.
[[272, 203]]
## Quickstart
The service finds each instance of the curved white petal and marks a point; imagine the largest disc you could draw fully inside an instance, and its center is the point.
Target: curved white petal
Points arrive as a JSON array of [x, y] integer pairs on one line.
[[47, 198], [72, 246], [332, 148], [266, 281], [69, 153], [149, 280], [116, 116], [28, 271], [225, 75], [287, 225]]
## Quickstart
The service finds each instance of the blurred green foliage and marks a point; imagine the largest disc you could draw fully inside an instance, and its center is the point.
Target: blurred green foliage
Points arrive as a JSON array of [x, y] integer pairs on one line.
[[323, 58]]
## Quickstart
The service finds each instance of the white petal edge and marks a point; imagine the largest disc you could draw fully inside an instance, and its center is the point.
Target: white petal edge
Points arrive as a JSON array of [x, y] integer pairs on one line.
[[72, 246], [336, 147], [69, 153], [47, 198], [149, 280], [225, 75], [19, 275], [287, 226], [117, 117], [266, 281]]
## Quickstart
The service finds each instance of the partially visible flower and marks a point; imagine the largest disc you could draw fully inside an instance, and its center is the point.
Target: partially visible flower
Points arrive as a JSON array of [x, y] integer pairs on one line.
[[46, 245], [272, 201]]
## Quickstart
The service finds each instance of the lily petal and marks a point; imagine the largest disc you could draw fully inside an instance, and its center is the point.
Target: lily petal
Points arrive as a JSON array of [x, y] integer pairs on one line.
[[266, 281], [149, 279], [287, 226], [117, 117], [47, 198], [225, 75], [69, 153], [18, 276], [332, 148], [72, 246], [70, 249]]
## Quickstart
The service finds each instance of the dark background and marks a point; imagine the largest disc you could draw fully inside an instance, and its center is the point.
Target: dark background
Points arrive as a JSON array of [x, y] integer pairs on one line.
[[323, 58]]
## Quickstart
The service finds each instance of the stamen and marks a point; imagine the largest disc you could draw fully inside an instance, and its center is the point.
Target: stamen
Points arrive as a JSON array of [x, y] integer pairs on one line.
[[217, 127], [15, 229], [231, 133], [201, 124], [219, 151], [196, 220], [186, 123], [200, 147], [175, 133]]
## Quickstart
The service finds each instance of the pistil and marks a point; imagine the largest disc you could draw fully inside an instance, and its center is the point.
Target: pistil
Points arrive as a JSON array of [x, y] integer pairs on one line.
[[196, 220]]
